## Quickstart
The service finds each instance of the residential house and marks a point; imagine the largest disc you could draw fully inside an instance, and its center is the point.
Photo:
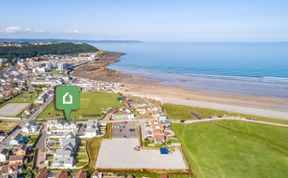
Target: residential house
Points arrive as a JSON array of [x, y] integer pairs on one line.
[[80, 174], [92, 129], [123, 116], [42, 174], [16, 160], [29, 128], [13, 142], [19, 151], [19, 139], [141, 108], [4, 153], [9, 171], [63, 162], [62, 153], [57, 174], [162, 119], [2, 136], [155, 131]]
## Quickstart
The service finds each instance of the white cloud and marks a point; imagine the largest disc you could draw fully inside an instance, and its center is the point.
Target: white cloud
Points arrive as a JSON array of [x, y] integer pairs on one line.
[[20, 29], [14, 29], [72, 31]]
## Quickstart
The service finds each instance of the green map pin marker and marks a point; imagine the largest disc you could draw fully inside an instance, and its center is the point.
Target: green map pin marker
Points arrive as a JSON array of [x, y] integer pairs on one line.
[[67, 99]]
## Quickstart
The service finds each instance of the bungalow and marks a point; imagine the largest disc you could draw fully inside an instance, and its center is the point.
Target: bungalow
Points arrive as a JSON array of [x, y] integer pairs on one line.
[[63, 162], [13, 142], [58, 174], [9, 171], [28, 128], [92, 132], [62, 153], [80, 174], [141, 108], [155, 131], [16, 160], [2, 136], [4, 153], [20, 150], [19, 139], [42, 174], [162, 119], [68, 144], [123, 116], [92, 129]]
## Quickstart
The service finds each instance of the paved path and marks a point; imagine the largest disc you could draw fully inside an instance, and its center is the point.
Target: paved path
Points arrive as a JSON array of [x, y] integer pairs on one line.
[[228, 118]]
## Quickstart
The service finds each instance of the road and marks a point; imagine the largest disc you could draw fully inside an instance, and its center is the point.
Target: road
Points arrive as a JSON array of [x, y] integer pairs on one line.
[[31, 118], [228, 118]]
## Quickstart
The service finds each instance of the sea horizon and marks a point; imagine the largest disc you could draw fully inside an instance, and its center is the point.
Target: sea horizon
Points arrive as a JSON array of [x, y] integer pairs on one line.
[[259, 69]]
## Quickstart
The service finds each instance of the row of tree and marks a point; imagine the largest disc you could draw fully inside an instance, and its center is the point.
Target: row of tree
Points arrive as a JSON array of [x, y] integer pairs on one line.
[[53, 49]]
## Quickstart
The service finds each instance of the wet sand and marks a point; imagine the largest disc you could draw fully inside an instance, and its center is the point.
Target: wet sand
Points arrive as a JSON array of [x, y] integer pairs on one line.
[[138, 85]]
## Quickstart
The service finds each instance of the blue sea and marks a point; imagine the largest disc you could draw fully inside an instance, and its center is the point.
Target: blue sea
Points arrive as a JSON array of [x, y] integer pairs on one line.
[[241, 68]]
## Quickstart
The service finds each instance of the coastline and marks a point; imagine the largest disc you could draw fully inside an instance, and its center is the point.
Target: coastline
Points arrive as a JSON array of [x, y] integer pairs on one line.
[[271, 107]]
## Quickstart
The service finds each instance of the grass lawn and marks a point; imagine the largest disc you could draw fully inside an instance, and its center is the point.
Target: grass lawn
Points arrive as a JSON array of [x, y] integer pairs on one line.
[[234, 149], [21, 98], [7, 126], [184, 112], [93, 146], [91, 104], [32, 138], [24, 98]]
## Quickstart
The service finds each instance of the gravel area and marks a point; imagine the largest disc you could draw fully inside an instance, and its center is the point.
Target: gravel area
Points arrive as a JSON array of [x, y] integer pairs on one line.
[[121, 154]]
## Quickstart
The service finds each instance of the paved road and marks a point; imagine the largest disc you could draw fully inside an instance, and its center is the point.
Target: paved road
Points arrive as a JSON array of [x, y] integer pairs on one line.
[[228, 118], [32, 118]]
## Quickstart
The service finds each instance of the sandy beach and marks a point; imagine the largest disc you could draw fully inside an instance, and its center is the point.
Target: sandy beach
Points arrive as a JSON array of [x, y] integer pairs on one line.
[[137, 85]]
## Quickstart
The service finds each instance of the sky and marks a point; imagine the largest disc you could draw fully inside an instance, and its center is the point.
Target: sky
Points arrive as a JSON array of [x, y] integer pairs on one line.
[[146, 20]]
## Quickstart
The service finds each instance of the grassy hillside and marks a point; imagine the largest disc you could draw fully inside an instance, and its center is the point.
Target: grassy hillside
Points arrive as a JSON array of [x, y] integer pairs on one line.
[[185, 112], [90, 106], [30, 50], [234, 149]]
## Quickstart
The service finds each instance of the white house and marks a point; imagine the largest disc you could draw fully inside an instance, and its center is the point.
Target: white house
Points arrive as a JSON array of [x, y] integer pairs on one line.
[[62, 162], [13, 142], [30, 128], [4, 153], [91, 132]]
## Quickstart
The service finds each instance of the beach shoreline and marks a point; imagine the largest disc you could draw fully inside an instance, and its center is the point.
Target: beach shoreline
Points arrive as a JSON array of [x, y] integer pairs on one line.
[[272, 107]]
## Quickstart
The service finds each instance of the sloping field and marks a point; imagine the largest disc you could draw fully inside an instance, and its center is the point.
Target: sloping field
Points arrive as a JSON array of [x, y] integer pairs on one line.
[[234, 149], [91, 104]]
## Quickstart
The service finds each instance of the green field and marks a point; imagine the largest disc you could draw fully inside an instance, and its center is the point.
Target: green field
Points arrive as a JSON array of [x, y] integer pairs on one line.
[[21, 98], [234, 149], [90, 106], [185, 112]]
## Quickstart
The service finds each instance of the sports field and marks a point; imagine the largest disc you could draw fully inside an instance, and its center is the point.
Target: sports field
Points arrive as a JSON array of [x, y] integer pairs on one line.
[[91, 104], [234, 149]]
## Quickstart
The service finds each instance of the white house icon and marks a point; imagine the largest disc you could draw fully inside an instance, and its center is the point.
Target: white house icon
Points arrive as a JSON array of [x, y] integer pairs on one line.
[[67, 98]]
